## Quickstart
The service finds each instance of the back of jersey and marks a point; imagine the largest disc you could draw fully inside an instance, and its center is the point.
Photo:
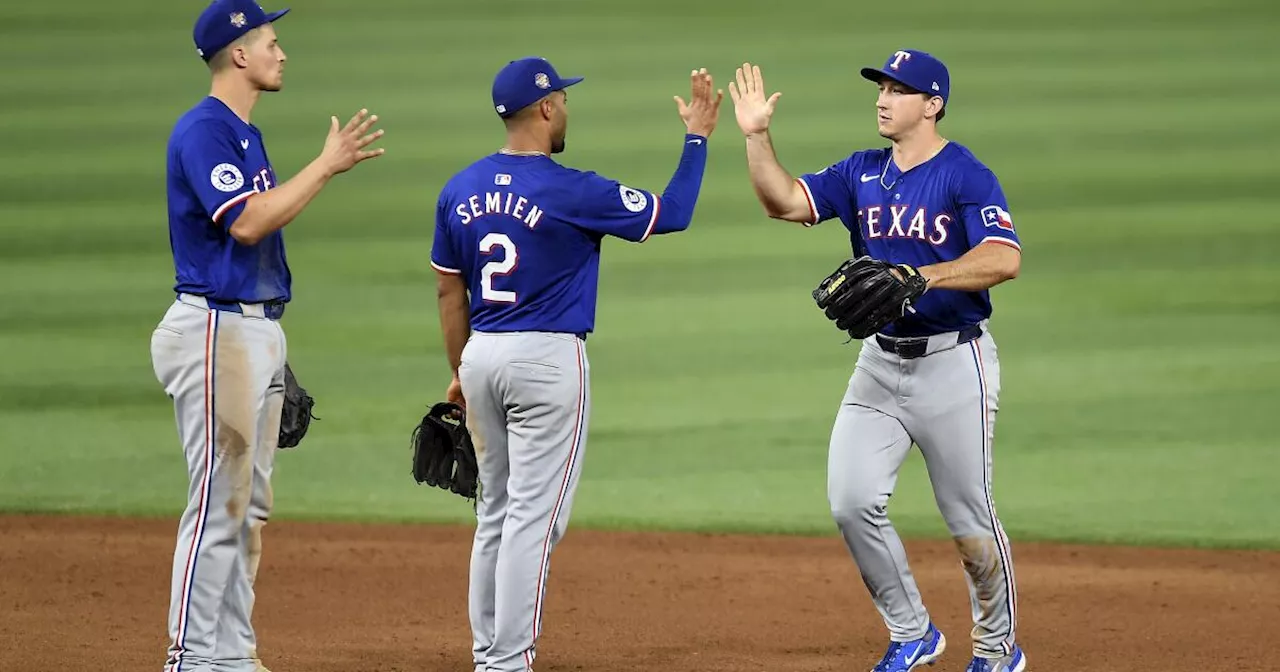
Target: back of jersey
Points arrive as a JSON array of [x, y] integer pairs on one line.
[[524, 232]]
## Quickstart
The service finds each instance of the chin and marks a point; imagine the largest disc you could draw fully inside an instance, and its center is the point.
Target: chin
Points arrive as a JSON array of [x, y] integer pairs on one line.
[[273, 84]]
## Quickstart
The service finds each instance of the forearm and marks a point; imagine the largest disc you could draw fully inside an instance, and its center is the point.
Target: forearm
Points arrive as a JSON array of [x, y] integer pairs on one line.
[[675, 208], [273, 209], [776, 189], [983, 267], [455, 324]]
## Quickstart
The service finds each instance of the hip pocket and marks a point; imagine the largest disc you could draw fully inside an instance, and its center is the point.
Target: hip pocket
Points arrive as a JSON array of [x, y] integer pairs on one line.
[[166, 330], [533, 364], [532, 371]]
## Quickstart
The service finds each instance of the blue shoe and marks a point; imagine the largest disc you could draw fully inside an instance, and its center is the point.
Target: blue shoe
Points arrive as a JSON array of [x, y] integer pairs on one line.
[[907, 656], [1012, 663]]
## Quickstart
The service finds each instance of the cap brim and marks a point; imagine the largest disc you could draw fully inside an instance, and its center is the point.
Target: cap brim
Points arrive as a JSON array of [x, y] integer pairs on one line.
[[272, 16], [875, 75], [566, 82]]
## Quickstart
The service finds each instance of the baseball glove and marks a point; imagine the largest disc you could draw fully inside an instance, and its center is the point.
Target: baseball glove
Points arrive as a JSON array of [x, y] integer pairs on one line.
[[443, 455], [864, 295], [295, 416]]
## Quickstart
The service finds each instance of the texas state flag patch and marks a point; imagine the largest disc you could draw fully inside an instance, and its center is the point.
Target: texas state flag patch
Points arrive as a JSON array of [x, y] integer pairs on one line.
[[994, 215]]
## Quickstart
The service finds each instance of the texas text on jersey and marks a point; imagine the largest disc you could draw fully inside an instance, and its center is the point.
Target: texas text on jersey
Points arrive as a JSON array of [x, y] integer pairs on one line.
[[216, 162], [933, 213]]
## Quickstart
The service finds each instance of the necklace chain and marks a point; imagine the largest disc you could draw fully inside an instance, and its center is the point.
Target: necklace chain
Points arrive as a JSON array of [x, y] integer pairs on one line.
[[884, 171], [520, 152]]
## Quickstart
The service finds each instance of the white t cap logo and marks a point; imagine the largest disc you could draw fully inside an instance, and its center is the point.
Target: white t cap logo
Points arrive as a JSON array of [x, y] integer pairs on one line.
[[898, 58]]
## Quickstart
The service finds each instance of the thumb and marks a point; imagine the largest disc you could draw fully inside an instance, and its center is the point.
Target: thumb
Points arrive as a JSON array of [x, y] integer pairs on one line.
[[773, 100], [680, 104]]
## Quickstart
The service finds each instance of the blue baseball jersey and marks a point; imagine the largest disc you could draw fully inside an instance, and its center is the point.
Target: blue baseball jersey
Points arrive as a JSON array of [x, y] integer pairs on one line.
[[933, 213], [216, 162], [525, 233]]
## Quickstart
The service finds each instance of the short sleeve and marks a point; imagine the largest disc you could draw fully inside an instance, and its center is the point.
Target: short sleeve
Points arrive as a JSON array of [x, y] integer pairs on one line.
[[610, 208], [444, 258], [984, 210], [829, 190], [213, 164]]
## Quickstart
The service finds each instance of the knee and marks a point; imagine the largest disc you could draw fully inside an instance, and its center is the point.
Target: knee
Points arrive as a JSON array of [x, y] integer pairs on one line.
[[857, 506], [238, 506]]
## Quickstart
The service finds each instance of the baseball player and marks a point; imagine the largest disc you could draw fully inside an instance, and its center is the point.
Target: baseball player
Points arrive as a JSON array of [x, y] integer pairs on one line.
[[517, 254], [219, 350], [931, 377]]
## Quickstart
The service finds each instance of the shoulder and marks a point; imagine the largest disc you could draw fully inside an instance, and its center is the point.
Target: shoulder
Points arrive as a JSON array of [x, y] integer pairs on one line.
[[197, 126], [573, 177], [568, 187], [463, 179], [854, 164], [964, 162]]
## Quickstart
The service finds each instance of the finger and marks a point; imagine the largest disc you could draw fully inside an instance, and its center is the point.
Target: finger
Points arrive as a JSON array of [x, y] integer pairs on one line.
[[733, 92], [773, 100], [680, 104], [364, 142], [333, 125], [742, 81], [359, 116], [364, 127], [757, 79], [370, 154], [719, 99]]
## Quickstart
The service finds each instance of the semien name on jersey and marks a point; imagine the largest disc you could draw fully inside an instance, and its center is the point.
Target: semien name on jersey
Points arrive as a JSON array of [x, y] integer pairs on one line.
[[499, 203]]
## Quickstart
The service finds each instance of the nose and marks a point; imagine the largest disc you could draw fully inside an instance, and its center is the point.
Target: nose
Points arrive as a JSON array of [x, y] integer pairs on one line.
[[882, 102]]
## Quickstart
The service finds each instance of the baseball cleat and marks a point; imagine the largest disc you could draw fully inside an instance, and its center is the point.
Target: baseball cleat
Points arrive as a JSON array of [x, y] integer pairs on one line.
[[1016, 662], [907, 656]]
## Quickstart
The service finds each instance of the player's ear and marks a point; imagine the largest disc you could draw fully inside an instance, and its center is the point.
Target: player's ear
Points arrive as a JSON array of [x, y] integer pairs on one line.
[[239, 58], [933, 106]]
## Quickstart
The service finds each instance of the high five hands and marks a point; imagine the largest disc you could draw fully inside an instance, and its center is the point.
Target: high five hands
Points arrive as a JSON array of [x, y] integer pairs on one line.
[[702, 111], [750, 105]]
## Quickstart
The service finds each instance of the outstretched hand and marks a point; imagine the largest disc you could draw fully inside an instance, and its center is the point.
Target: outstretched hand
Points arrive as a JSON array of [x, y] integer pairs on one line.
[[703, 110], [750, 106], [345, 147]]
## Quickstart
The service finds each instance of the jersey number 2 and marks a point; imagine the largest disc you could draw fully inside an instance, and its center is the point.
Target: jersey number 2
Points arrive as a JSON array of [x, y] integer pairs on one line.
[[504, 267]]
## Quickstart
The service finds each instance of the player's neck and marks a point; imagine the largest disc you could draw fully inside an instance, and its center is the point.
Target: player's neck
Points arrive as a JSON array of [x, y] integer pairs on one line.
[[915, 149], [525, 143], [236, 94]]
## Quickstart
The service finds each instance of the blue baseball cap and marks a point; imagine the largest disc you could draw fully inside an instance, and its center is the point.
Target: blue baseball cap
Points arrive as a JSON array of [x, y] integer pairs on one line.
[[523, 82], [225, 21], [916, 69]]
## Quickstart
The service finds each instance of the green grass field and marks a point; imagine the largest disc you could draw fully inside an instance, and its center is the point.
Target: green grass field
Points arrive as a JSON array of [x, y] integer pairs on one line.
[[1138, 348]]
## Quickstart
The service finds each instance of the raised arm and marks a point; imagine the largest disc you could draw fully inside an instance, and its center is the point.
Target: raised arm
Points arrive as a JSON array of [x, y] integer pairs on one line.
[[273, 209], [610, 208], [779, 192]]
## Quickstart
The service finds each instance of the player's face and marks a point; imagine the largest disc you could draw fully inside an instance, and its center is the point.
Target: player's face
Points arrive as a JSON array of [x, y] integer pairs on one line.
[[559, 121], [266, 60], [899, 109]]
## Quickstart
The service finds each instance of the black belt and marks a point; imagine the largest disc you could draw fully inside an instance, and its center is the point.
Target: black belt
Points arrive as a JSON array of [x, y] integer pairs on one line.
[[911, 348]]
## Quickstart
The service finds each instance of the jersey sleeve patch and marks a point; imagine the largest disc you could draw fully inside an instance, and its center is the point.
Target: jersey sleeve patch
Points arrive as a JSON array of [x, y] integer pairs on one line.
[[226, 177], [633, 199], [998, 217]]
